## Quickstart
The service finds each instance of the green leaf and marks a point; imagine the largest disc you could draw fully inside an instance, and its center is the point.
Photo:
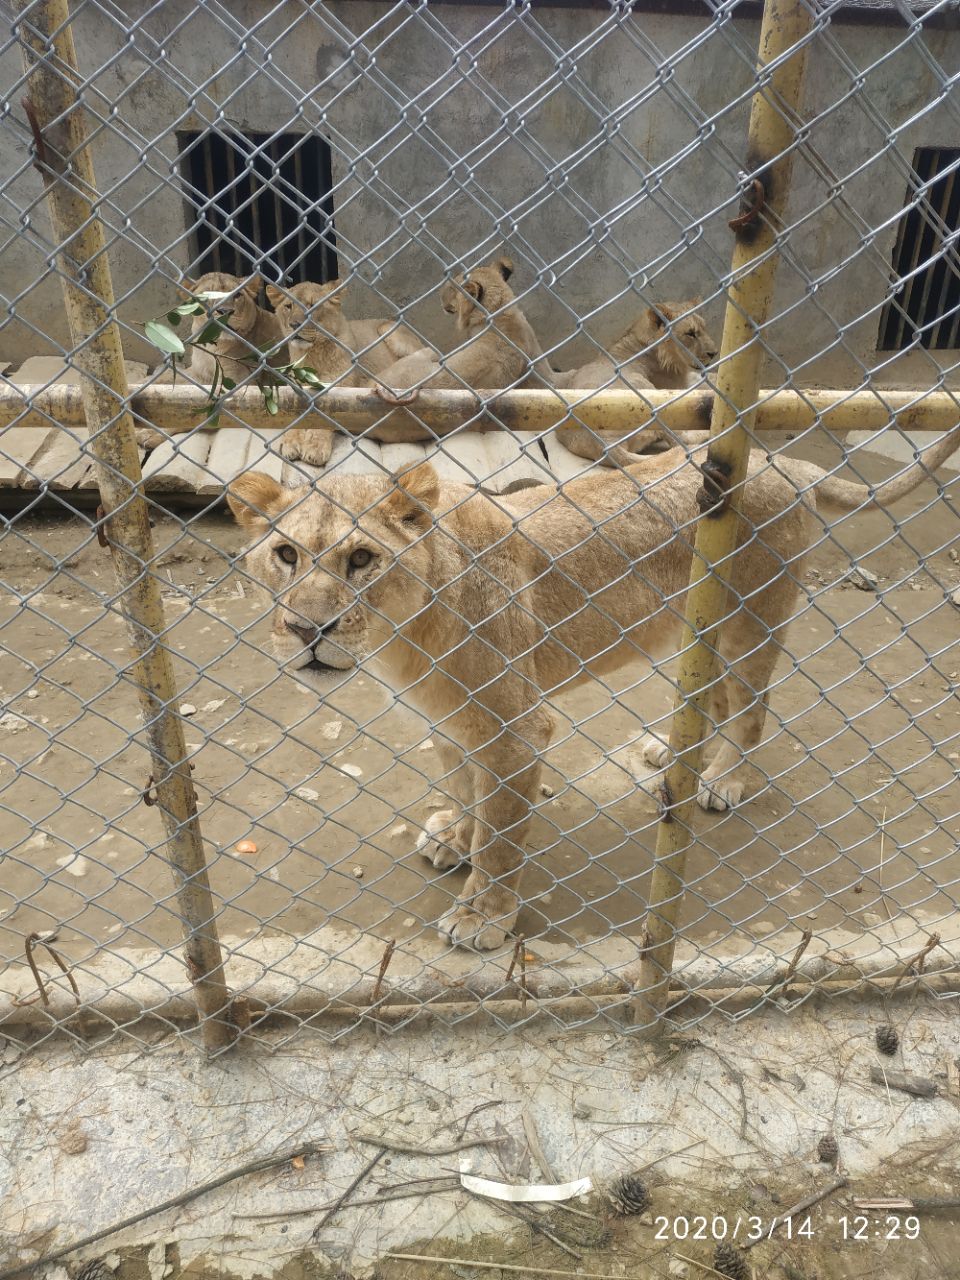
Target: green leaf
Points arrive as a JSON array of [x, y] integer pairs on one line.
[[270, 399], [211, 294], [189, 309], [208, 336], [163, 337], [308, 376], [174, 317], [229, 384]]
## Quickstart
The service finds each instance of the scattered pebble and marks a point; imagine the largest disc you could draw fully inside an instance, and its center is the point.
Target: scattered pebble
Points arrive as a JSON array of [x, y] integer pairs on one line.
[[954, 600], [307, 793], [351, 770], [38, 841], [10, 723], [213, 705], [331, 730], [32, 693], [73, 1140], [274, 873], [409, 922], [358, 873], [399, 830], [188, 709], [862, 579], [426, 746], [546, 790], [246, 847]]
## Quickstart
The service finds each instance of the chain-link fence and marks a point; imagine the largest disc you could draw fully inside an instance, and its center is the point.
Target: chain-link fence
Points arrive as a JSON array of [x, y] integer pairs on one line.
[[434, 295]]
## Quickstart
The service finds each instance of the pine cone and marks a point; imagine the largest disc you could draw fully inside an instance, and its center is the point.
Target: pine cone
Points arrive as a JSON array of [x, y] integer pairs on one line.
[[888, 1041], [729, 1261], [628, 1195], [827, 1149]]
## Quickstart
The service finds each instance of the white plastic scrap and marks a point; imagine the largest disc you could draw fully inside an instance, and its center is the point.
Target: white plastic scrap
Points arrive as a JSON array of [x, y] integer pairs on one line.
[[523, 1193]]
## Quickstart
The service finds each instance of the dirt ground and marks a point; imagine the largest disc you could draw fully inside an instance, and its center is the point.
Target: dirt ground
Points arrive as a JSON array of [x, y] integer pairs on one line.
[[862, 754]]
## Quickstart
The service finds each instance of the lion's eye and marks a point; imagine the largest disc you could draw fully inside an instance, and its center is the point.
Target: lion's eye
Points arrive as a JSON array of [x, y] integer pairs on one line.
[[360, 558], [287, 553]]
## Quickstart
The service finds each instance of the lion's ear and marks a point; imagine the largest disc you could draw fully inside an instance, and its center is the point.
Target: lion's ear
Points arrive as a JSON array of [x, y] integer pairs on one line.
[[415, 494], [251, 288], [475, 289], [254, 497], [274, 295], [188, 285], [656, 317], [505, 267]]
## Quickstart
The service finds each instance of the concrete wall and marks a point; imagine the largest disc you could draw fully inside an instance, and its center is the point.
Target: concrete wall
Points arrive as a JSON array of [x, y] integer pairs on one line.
[[463, 129]]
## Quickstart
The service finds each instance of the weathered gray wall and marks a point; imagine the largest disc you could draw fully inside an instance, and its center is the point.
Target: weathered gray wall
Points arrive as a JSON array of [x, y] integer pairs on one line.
[[424, 150]]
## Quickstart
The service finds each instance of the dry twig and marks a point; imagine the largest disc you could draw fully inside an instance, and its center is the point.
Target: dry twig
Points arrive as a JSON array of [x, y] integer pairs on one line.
[[501, 1266], [807, 1203], [253, 1166]]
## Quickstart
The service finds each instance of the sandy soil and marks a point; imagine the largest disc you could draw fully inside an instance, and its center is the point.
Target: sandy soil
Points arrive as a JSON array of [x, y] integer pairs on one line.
[[843, 756]]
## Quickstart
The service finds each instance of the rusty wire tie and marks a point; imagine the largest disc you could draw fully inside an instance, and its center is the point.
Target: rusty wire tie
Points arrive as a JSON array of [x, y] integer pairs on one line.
[[101, 526], [39, 144], [756, 195], [46, 941]]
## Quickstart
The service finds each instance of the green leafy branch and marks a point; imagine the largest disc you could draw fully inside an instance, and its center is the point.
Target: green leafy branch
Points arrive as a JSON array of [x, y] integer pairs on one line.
[[162, 334]]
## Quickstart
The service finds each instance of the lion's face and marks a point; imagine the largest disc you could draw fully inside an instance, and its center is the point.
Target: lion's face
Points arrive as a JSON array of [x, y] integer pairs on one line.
[[331, 562], [688, 345], [241, 302], [308, 312], [473, 295]]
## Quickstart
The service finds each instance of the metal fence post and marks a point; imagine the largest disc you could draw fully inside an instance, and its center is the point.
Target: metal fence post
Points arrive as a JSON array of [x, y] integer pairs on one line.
[[64, 160], [770, 143]]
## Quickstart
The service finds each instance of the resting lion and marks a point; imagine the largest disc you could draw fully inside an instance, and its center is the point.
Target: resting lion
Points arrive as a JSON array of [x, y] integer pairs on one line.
[[665, 347], [479, 609], [347, 353]]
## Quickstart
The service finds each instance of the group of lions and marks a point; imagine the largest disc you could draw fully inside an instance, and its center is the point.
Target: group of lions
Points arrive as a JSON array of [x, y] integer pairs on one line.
[[493, 348]]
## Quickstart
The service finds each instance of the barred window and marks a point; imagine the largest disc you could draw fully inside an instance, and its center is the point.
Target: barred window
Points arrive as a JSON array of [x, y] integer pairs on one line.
[[259, 202], [926, 307]]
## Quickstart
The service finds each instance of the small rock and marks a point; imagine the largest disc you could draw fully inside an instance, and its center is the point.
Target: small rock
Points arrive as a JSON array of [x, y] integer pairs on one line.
[[401, 829], [73, 1140], [10, 1054], [308, 794], [351, 770], [187, 709], [331, 730], [358, 873], [246, 847], [274, 873], [677, 1268], [32, 693], [10, 723], [546, 790], [213, 705], [862, 579], [41, 840], [426, 746], [954, 555], [954, 600], [409, 922]]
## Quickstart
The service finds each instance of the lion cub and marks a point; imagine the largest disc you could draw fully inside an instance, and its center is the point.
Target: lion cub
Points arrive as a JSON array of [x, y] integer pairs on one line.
[[341, 351], [254, 333], [664, 348], [499, 348]]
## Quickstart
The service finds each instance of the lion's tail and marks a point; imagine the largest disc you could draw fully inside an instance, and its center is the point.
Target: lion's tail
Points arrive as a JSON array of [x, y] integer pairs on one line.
[[846, 495]]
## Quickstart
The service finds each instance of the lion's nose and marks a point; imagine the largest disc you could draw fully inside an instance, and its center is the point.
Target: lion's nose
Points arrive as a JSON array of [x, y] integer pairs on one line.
[[306, 631]]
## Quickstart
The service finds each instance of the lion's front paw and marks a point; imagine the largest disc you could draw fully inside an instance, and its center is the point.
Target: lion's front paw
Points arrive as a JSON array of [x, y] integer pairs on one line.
[[453, 848], [150, 438], [312, 447], [466, 927], [654, 751], [720, 794]]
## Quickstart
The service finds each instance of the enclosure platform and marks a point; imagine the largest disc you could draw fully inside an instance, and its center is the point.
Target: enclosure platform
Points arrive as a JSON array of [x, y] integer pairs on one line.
[[195, 468]]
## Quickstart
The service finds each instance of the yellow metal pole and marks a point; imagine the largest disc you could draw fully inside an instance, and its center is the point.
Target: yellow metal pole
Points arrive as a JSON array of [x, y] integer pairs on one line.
[[64, 160], [772, 132], [355, 410]]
